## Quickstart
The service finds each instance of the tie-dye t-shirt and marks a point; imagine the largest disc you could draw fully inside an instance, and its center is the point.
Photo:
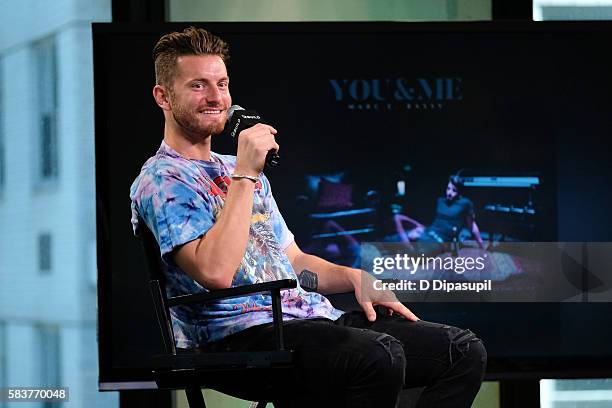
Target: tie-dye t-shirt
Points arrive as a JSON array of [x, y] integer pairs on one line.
[[179, 199]]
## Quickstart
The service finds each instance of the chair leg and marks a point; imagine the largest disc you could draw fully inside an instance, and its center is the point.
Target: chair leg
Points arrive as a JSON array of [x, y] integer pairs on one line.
[[195, 397]]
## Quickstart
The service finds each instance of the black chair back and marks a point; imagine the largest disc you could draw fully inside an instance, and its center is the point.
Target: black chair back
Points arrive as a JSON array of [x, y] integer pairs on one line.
[[157, 285], [192, 369]]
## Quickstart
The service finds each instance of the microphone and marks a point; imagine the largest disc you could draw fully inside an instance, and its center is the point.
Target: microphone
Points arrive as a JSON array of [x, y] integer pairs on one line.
[[239, 119]]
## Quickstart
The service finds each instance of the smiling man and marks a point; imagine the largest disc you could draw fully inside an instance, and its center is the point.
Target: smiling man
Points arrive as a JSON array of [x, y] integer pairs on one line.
[[218, 225]]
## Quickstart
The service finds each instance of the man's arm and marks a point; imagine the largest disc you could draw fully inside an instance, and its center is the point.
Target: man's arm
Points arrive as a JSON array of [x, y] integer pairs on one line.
[[213, 259], [337, 279], [331, 278]]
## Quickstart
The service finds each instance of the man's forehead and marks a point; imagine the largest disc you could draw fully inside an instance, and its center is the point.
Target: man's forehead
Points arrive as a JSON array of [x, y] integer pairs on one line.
[[196, 65]]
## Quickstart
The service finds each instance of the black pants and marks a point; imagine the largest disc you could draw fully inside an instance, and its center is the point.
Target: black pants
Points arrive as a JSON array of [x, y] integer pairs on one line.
[[352, 362]]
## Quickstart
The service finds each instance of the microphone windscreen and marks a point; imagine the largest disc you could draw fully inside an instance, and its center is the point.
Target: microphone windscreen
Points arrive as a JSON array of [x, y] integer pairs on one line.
[[232, 109]]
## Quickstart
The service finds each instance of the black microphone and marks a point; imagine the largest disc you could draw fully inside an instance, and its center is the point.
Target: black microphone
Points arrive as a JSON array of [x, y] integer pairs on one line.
[[240, 119]]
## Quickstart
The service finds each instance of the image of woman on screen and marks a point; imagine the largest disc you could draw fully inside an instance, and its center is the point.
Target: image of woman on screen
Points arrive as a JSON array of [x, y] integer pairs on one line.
[[454, 212]]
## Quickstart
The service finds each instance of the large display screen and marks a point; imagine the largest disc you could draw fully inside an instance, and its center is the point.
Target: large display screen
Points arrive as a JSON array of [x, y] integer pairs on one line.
[[376, 122]]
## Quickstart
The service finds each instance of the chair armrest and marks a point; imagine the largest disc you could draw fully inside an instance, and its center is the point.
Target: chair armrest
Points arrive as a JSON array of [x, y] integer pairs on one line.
[[203, 297]]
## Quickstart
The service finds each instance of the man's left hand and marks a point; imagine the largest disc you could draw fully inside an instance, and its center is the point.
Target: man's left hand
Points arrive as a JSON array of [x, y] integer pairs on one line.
[[368, 297]]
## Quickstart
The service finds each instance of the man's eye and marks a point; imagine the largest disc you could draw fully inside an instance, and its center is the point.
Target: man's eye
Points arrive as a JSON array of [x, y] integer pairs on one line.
[[197, 85], [223, 85]]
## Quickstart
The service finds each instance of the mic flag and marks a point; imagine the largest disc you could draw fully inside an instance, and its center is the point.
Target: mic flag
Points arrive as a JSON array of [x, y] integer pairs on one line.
[[240, 119]]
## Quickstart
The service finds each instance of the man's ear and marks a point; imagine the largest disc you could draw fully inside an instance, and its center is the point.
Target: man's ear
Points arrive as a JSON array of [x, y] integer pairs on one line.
[[161, 96]]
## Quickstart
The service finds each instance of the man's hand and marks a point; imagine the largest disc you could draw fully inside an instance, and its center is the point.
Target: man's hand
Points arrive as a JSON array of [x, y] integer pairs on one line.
[[368, 297], [253, 146], [340, 279]]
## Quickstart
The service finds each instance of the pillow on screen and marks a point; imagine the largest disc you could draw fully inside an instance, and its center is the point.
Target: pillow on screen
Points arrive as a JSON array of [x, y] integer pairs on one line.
[[312, 182], [336, 196]]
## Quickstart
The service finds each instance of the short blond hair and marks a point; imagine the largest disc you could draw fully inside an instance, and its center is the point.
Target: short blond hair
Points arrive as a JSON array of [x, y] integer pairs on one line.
[[190, 41]]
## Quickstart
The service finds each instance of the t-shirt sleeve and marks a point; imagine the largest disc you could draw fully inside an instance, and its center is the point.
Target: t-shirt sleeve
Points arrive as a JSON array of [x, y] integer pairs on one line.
[[283, 234], [174, 210]]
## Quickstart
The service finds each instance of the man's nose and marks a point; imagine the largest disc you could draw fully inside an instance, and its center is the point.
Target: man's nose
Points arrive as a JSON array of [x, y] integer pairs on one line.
[[213, 94]]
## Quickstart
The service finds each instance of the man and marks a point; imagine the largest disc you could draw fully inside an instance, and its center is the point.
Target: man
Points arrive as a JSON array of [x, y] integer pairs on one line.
[[218, 226]]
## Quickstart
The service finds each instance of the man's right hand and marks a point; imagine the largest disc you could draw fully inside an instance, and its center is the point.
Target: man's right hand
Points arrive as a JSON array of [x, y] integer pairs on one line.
[[253, 146]]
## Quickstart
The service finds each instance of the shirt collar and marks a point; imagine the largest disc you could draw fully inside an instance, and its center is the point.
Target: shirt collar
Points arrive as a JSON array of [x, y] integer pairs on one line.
[[166, 150]]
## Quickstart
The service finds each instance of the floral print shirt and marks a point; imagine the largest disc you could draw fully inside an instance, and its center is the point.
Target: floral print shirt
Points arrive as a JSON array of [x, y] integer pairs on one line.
[[179, 199]]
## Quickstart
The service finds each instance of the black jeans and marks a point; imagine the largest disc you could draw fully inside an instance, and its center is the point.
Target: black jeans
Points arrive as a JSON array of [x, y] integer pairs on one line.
[[352, 362]]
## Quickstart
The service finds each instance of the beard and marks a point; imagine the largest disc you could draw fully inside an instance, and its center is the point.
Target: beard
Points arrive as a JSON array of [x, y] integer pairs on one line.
[[195, 124]]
